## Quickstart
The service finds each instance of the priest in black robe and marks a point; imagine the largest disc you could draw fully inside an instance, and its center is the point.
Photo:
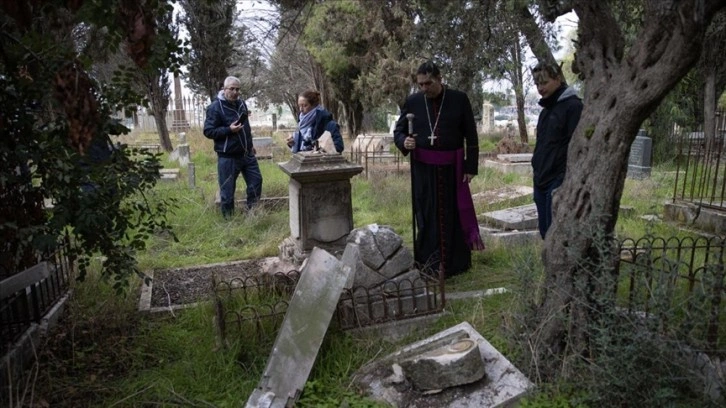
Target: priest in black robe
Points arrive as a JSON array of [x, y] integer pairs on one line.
[[444, 148]]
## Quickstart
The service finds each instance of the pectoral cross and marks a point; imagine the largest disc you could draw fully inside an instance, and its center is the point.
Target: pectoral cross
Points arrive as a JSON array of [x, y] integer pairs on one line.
[[438, 116]]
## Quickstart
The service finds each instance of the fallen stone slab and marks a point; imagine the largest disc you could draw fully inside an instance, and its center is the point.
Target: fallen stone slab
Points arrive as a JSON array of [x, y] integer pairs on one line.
[[519, 218], [301, 335]]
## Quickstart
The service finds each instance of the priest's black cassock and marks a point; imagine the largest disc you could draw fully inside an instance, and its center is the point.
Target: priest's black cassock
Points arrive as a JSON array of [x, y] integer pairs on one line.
[[443, 229]]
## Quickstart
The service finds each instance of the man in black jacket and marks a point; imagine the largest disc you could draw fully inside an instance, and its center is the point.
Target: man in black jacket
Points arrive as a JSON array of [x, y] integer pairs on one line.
[[226, 123], [557, 121]]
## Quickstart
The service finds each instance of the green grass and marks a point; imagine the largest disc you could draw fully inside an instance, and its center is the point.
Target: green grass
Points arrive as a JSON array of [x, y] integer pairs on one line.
[[175, 360]]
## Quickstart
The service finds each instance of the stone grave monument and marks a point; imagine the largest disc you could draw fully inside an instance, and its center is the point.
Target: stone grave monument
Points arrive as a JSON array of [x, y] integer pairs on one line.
[[639, 161], [301, 335], [321, 208], [509, 226], [517, 163], [181, 153], [263, 146], [487, 117], [384, 284], [179, 123]]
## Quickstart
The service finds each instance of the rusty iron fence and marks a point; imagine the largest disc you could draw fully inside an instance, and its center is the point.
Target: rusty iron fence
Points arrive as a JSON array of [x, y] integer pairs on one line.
[[393, 301], [27, 296], [701, 172], [379, 162], [257, 304], [677, 285]]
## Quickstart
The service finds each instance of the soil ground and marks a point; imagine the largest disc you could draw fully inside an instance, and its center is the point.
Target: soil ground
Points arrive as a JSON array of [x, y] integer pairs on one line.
[[188, 285]]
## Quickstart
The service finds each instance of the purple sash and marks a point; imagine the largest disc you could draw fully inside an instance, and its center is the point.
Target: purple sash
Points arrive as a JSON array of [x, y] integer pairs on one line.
[[467, 215]]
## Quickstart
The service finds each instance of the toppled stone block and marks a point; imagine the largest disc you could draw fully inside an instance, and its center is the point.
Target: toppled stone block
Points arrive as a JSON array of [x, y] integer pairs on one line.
[[455, 364], [376, 254], [503, 384], [364, 238], [362, 274], [399, 263]]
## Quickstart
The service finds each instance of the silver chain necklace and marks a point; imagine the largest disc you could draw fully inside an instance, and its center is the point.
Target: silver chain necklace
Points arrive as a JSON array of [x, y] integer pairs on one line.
[[438, 116]]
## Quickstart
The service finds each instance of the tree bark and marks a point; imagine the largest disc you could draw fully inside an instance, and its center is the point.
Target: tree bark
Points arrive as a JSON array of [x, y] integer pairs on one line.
[[518, 85], [622, 90], [158, 94]]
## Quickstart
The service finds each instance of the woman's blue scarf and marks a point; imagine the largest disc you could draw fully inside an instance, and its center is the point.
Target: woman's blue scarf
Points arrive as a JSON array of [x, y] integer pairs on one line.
[[305, 128]]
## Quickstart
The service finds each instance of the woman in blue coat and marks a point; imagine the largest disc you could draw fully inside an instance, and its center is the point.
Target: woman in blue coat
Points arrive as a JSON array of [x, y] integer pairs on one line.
[[314, 121]]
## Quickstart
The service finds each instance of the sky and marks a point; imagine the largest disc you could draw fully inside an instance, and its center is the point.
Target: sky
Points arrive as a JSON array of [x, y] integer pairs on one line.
[[253, 14], [566, 24]]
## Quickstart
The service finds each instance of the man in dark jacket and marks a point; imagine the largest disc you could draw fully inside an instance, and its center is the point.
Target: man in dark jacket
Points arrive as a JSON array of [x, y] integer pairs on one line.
[[226, 123], [557, 121]]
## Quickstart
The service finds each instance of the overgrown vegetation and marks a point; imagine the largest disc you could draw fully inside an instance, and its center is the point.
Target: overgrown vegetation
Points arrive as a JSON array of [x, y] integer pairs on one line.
[[107, 354], [61, 170]]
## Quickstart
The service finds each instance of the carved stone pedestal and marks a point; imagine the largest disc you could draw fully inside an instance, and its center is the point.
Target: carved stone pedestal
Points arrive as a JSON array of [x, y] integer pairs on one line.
[[321, 210]]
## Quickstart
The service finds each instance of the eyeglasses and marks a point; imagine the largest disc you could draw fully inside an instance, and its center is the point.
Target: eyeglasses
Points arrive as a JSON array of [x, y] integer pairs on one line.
[[233, 89]]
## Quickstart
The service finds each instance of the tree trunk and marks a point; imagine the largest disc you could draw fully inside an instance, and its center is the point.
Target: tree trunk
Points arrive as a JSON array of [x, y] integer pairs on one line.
[[159, 100], [622, 90], [164, 140], [519, 92]]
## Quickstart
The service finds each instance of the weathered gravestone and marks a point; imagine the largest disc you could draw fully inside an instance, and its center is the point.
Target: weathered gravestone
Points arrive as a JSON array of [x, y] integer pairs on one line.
[[639, 161], [298, 341], [181, 153], [321, 208], [263, 147], [515, 218], [517, 163]]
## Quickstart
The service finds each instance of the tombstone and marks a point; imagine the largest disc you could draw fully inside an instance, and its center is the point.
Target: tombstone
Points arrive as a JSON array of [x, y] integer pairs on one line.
[[392, 119], [384, 284], [516, 163], [321, 208], [487, 117], [192, 175], [181, 153], [169, 174], [639, 161], [301, 335], [263, 147], [516, 218], [374, 142]]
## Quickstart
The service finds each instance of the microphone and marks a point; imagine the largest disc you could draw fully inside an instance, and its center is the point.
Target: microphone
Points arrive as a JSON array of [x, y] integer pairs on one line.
[[410, 117]]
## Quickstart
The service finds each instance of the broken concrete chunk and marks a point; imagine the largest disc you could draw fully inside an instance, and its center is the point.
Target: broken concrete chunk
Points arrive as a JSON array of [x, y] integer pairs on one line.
[[456, 364]]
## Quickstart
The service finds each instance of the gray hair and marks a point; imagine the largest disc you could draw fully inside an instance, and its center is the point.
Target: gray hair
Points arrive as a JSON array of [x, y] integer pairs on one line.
[[231, 79]]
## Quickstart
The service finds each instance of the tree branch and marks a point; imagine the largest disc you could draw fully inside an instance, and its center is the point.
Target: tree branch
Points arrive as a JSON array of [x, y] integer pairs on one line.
[[533, 33]]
